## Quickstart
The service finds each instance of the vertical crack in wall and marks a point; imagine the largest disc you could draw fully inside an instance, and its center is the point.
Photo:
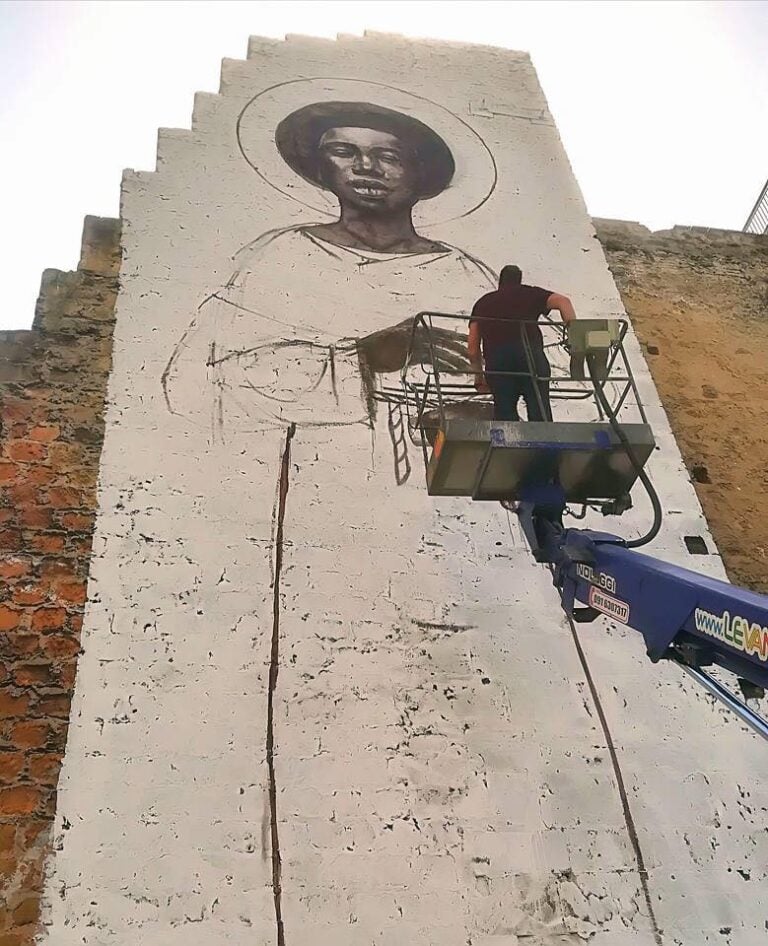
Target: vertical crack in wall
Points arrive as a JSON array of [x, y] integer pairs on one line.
[[629, 820], [274, 665]]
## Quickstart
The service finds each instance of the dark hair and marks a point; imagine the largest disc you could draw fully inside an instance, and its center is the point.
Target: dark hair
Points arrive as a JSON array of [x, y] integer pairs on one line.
[[510, 276], [298, 135]]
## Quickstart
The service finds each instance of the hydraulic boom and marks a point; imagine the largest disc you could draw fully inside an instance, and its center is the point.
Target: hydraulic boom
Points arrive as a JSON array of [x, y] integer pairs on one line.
[[692, 619], [696, 621]]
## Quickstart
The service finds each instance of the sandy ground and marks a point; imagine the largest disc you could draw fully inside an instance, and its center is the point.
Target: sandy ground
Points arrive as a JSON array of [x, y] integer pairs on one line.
[[709, 363]]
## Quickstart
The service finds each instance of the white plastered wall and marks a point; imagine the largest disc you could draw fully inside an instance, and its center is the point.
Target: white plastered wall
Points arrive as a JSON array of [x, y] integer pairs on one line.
[[440, 772]]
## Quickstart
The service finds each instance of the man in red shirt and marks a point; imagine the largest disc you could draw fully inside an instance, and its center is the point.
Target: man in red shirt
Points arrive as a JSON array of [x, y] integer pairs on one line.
[[498, 321]]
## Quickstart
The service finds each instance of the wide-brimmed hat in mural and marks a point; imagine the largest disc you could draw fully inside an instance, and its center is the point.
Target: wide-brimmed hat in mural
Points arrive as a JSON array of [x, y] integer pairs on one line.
[[279, 128], [298, 137]]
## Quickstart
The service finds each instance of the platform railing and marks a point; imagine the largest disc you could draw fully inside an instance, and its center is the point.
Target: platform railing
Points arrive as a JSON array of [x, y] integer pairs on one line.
[[437, 376]]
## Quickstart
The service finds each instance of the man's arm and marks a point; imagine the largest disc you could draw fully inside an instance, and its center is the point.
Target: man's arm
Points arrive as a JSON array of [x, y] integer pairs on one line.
[[476, 358], [563, 305]]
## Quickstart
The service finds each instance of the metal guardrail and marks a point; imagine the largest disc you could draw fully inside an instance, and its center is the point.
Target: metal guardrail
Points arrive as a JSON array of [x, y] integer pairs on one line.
[[434, 385], [427, 383], [757, 221]]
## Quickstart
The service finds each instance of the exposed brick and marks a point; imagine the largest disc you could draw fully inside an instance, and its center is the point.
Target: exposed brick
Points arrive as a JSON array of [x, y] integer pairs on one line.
[[49, 619], [9, 866], [14, 568], [89, 435], [44, 433], [12, 705], [67, 674], [41, 476], [46, 542], [54, 704], [8, 471], [72, 593], [23, 493], [11, 765], [31, 869], [20, 644], [33, 828], [25, 451], [10, 539], [15, 409], [76, 521], [47, 810], [19, 800], [27, 911], [24, 595], [52, 386], [45, 768], [35, 675], [30, 734], [9, 618], [41, 397], [7, 837], [59, 646], [81, 544], [63, 455], [55, 569], [35, 517], [12, 939], [64, 497], [85, 479]]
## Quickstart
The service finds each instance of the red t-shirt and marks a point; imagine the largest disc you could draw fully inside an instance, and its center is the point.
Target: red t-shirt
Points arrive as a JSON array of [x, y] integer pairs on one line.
[[505, 309]]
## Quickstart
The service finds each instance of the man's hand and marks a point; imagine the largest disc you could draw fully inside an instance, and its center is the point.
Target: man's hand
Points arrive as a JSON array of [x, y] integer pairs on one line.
[[481, 385]]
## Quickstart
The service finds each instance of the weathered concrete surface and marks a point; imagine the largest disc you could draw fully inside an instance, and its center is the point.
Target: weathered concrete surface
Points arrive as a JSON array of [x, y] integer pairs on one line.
[[428, 765], [52, 385], [699, 302]]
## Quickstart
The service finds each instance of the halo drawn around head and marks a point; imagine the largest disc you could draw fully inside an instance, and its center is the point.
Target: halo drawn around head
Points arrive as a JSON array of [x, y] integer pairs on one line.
[[279, 128], [297, 138]]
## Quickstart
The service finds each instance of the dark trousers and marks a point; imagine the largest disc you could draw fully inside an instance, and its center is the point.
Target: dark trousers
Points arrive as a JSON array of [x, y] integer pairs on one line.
[[507, 390]]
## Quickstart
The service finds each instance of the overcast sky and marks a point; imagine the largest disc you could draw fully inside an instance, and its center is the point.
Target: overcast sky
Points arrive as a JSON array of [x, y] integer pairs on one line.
[[661, 105]]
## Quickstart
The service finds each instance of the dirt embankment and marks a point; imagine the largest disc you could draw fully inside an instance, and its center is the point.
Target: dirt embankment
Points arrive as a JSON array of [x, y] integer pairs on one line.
[[698, 300]]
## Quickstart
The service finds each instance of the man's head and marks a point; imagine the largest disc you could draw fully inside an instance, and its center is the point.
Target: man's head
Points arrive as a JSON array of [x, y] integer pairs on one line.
[[510, 276], [368, 156]]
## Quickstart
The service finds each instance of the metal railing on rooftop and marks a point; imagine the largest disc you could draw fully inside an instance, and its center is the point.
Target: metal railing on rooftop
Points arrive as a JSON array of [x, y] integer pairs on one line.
[[757, 221]]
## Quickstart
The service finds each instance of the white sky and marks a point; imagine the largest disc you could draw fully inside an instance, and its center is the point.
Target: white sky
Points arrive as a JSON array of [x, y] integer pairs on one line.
[[661, 105]]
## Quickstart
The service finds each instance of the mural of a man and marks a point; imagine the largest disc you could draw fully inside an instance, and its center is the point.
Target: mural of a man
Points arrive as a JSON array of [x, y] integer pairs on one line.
[[377, 162], [274, 342]]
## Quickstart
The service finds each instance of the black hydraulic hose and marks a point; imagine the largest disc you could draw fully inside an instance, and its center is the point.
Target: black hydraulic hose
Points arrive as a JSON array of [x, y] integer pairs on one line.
[[651, 534]]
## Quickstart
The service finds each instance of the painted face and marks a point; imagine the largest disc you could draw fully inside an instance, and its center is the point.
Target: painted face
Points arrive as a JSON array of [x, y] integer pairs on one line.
[[368, 169]]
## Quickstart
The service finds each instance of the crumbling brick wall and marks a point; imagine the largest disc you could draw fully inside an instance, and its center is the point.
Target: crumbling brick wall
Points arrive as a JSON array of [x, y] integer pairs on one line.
[[52, 388], [698, 300]]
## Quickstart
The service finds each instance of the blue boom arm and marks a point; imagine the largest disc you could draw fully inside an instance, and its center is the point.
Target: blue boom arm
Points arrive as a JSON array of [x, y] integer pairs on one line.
[[692, 619]]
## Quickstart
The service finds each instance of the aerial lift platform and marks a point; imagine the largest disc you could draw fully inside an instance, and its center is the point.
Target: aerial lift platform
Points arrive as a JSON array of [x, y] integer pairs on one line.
[[589, 459]]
